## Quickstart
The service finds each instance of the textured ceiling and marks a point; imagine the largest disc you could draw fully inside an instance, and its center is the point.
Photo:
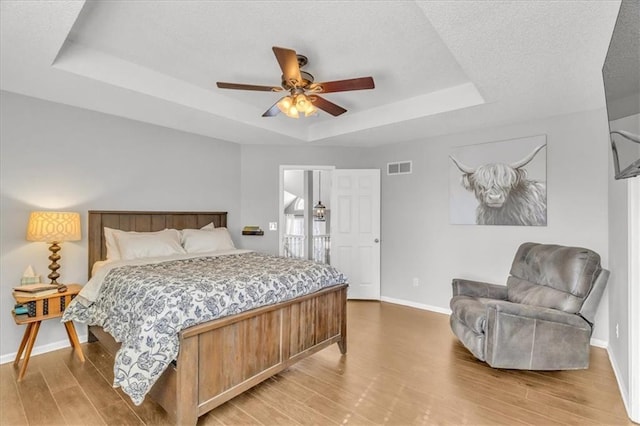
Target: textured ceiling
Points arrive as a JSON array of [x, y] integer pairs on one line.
[[439, 66]]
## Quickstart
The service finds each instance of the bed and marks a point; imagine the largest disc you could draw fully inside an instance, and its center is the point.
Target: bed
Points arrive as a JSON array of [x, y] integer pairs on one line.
[[222, 358]]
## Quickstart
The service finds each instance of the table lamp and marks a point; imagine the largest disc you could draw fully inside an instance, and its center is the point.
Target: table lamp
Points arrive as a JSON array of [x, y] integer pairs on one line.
[[54, 228]]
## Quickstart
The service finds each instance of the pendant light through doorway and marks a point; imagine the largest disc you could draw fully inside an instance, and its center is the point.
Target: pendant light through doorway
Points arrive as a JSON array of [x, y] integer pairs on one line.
[[319, 209]]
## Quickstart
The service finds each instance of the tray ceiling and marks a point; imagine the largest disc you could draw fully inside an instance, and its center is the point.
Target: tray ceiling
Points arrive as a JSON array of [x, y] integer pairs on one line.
[[439, 67]]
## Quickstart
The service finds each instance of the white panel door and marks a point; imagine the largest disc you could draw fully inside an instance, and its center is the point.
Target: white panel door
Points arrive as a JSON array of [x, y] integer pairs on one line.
[[355, 230]]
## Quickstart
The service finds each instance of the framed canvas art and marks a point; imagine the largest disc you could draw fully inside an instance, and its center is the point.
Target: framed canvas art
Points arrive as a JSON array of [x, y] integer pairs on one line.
[[499, 183]]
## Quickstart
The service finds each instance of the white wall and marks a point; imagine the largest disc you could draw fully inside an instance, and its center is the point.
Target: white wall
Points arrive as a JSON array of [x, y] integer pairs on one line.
[[618, 258], [58, 157], [418, 241]]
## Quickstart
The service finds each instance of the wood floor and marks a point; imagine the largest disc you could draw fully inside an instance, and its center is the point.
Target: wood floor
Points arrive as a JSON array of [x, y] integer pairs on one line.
[[403, 367]]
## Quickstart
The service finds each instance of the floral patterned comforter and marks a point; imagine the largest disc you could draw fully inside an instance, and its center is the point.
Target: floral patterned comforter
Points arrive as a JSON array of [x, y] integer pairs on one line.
[[145, 306]]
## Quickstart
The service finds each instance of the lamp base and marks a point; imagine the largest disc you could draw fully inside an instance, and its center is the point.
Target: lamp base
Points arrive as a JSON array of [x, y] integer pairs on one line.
[[54, 275]]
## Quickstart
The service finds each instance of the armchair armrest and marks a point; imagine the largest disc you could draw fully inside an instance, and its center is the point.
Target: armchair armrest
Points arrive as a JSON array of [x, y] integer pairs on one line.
[[538, 313], [462, 287]]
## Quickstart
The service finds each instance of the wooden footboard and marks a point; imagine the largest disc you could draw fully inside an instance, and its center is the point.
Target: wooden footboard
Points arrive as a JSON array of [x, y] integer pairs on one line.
[[221, 359]]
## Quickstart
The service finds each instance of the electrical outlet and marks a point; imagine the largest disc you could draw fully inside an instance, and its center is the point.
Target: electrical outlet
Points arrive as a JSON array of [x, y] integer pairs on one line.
[[416, 282], [273, 226], [617, 331]]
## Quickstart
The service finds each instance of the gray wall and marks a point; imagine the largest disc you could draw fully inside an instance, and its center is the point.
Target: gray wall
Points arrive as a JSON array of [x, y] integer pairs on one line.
[[58, 157], [418, 241], [54, 156]]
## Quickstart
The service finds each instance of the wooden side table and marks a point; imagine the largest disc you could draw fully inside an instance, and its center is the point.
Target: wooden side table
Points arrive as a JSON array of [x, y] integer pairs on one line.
[[44, 308]]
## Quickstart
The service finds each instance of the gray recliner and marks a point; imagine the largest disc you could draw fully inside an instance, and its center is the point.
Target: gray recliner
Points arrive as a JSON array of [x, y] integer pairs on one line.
[[542, 319]]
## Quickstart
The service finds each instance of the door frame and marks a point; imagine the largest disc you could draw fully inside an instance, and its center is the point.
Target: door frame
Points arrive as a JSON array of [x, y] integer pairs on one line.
[[633, 197], [281, 221]]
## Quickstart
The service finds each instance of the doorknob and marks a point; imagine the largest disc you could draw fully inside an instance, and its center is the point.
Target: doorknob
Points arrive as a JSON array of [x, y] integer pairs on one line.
[[376, 240]]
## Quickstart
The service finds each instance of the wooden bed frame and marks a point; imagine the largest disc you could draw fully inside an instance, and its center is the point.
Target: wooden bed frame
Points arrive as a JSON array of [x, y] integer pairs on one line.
[[222, 358]]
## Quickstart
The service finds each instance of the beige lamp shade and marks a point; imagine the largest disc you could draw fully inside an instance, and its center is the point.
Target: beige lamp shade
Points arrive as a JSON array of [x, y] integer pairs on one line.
[[52, 227]]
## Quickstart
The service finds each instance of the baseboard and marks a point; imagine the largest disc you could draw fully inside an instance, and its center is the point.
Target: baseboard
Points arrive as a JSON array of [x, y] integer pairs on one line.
[[600, 343], [623, 391], [49, 347], [416, 305]]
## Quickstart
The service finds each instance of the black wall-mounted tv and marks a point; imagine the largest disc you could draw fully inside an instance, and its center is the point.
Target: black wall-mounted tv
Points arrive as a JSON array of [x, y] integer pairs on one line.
[[621, 75]]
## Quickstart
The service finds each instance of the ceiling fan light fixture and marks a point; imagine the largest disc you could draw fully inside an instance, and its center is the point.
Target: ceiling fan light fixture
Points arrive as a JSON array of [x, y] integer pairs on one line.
[[285, 103], [302, 98], [291, 112], [304, 104], [293, 106]]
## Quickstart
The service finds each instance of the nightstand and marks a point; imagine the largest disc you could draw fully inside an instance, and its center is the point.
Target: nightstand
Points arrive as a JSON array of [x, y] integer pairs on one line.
[[40, 309]]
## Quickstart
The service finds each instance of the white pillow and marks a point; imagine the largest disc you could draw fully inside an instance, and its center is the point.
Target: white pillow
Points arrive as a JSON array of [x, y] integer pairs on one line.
[[208, 227], [99, 265], [149, 244], [110, 235], [201, 241]]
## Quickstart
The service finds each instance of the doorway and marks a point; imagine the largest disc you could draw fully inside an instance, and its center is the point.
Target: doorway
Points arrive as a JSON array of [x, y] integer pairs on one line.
[[348, 237], [305, 212]]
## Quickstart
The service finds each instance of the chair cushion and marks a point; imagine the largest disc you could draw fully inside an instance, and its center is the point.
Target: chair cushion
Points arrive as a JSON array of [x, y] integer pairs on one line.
[[470, 311], [552, 276]]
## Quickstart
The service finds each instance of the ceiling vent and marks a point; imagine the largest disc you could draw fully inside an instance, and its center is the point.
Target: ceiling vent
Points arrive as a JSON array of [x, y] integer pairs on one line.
[[399, 168]]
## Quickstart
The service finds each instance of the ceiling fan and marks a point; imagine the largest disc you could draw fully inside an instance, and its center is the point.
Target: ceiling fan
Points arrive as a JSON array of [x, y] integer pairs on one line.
[[303, 92]]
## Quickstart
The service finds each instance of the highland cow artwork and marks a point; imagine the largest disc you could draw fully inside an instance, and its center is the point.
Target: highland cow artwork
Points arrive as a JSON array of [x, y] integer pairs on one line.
[[499, 183]]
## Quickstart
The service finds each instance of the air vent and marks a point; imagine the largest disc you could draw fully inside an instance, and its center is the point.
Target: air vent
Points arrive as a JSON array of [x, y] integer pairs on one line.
[[399, 168]]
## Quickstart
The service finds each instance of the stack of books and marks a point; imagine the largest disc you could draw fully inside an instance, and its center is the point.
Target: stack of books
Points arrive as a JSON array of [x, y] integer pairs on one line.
[[34, 290], [252, 230]]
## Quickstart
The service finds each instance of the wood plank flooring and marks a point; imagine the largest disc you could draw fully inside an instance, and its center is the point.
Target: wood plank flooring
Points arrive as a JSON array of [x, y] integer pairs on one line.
[[404, 366]]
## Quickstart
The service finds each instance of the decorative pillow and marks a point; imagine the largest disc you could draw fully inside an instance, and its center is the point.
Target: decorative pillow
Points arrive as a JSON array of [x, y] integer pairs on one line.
[[149, 244], [110, 237], [201, 241]]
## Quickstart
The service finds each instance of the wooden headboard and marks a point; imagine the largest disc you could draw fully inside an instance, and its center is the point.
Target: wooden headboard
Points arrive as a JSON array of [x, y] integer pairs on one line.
[[143, 222]]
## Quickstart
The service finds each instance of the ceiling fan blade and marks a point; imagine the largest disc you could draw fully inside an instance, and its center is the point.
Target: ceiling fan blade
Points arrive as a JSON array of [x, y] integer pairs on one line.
[[288, 64], [327, 106], [273, 111], [223, 85], [344, 85]]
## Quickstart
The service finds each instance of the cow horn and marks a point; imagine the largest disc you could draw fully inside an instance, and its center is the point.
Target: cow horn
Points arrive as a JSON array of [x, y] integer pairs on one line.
[[463, 168], [628, 135], [528, 158]]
